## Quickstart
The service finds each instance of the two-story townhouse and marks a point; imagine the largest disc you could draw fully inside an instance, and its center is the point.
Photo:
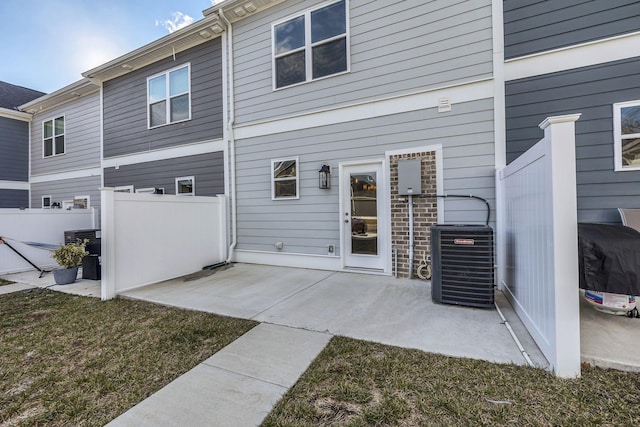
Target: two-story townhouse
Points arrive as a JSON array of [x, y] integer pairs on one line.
[[163, 112], [353, 88], [569, 57], [65, 147], [14, 145]]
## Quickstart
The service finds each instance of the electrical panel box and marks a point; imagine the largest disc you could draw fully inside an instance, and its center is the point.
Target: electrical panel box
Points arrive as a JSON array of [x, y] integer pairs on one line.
[[409, 177]]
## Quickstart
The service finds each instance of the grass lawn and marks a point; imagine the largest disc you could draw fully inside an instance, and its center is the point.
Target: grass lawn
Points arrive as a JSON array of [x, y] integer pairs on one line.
[[70, 360], [357, 383], [5, 282]]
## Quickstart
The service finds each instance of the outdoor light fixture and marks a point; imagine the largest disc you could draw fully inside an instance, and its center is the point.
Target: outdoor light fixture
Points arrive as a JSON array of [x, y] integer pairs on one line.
[[324, 177]]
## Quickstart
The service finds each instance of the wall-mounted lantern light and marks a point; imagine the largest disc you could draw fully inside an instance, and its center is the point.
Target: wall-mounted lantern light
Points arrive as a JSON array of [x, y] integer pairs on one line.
[[324, 177]]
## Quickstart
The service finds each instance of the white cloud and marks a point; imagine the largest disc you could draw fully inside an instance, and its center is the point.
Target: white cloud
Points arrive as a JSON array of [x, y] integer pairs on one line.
[[178, 20]]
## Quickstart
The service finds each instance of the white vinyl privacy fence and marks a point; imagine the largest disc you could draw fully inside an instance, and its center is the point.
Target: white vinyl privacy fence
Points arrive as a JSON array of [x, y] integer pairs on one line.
[[38, 226], [538, 243], [148, 238]]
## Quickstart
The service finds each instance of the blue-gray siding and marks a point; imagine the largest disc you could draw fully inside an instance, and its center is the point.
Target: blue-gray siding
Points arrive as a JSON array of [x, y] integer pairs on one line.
[[397, 48], [14, 150], [537, 26], [125, 105], [208, 170], [14, 198], [311, 223], [590, 91], [82, 136], [66, 189]]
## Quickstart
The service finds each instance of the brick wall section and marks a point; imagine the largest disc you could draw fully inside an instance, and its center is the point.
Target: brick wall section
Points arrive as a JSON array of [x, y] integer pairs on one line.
[[425, 212]]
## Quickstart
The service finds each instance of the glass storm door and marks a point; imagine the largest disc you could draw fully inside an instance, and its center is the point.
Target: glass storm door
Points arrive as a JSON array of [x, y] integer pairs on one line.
[[361, 189]]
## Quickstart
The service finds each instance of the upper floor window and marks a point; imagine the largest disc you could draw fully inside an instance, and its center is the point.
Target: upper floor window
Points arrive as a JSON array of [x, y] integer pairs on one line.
[[169, 96], [312, 45], [626, 134], [53, 137], [284, 179]]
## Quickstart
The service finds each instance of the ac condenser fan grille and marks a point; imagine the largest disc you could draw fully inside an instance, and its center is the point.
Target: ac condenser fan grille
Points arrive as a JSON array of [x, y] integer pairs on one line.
[[463, 265]]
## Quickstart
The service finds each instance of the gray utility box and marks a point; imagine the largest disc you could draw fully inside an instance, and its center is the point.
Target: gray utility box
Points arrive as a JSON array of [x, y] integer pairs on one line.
[[462, 264], [409, 177]]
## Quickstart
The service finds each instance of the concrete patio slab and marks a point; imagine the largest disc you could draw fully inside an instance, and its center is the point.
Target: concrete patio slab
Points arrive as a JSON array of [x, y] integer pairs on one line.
[[609, 341], [375, 308], [237, 386], [15, 287]]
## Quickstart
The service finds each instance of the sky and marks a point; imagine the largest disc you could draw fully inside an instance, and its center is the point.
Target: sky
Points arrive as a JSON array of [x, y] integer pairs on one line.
[[48, 44]]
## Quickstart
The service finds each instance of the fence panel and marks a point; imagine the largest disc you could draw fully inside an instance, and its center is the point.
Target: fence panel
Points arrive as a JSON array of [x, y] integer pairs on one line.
[[149, 238], [537, 243], [37, 225]]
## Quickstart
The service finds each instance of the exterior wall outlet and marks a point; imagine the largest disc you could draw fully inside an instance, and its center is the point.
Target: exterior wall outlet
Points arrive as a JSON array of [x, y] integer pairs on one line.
[[279, 245]]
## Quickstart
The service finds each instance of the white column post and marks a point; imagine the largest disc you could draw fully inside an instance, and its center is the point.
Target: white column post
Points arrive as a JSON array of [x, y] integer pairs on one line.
[[222, 225], [107, 230], [560, 130]]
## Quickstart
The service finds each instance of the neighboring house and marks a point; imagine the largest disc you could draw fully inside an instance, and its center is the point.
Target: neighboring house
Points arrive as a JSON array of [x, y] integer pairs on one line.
[[579, 57], [65, 147], [163, 114], [14, 145], [356, 86]]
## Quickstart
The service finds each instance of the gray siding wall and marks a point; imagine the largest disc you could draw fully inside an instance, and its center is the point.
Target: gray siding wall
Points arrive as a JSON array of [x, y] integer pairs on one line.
[[536, 26], [311, 223], [14, 150], [125, 105], [590, 91], [208, 170], [66, 189], [14, 198], [397, 47], [82, 136]]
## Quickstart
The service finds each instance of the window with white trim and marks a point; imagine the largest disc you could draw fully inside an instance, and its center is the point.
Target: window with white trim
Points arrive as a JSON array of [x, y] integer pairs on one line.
[[626, 135], [46, 202], [53, 137], [186, 186], [169, 97], [285, 183], [312, 45], [124, 189], [150, 190], [81, 202]]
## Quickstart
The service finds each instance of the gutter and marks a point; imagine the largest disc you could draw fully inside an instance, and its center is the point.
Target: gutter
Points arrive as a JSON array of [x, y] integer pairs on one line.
[[232, 140]]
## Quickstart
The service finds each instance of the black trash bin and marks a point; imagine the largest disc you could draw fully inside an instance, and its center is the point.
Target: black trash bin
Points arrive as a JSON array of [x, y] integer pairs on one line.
[[91, 267]]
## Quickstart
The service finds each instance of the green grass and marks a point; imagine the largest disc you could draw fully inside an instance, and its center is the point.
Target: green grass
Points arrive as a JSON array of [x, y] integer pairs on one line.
[[357, 383], [70, 360]]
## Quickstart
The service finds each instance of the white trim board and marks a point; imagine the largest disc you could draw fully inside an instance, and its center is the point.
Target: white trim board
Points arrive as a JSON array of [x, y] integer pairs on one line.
[[15, 115], [472, 91], [578, 56], [316, 262], [14, 185], [82, 173], [167, 153]]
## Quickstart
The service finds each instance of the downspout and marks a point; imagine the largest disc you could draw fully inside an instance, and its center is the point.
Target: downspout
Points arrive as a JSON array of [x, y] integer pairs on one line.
[[232, 140]]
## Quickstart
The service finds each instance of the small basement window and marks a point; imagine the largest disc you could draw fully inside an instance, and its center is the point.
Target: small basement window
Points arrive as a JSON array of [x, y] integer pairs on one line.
[[186, 186], [81, 202], [46, 202], [124, 189], [626, 135], [285, 183]]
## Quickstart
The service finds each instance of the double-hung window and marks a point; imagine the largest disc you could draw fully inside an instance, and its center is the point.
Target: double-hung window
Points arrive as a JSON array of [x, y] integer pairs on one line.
[[285, 179], [312, 45], [53, 137], [169, 96], [626, 134]]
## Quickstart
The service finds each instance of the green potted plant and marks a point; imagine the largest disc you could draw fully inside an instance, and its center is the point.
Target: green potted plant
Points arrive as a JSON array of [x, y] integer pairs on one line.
[[69, 258]]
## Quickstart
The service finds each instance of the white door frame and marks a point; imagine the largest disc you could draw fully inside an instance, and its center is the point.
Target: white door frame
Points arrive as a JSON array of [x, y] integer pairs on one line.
[[384, 218]]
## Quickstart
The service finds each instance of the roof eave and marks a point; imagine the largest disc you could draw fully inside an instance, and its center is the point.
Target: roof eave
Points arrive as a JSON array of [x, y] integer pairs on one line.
[[73, 91]]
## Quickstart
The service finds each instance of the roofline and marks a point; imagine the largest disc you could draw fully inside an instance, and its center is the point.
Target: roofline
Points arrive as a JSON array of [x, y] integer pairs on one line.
[[77, 89], [158, 44], [14, 114]]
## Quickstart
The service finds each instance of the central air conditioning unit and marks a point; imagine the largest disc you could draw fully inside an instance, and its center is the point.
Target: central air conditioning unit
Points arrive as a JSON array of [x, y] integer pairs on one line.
[[462, 263]]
